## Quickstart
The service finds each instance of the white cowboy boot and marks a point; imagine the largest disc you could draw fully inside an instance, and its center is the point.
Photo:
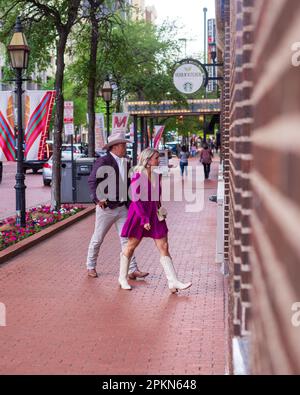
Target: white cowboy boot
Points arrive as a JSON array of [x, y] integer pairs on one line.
[[174, 283], [124, 265]]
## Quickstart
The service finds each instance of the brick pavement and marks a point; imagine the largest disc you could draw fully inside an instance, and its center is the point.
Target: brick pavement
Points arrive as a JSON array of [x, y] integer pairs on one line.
[[36, 192], [60, 321]]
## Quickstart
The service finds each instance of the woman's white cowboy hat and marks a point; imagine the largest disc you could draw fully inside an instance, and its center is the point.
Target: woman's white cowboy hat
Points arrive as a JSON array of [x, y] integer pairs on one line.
[[116, 138]]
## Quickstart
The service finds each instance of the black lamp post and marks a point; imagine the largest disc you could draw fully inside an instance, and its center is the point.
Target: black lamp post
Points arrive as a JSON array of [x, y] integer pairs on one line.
[[19, 52], [213, 52], [107, 97]]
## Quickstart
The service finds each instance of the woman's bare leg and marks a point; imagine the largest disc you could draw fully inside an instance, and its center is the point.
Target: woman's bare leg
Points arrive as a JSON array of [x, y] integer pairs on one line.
[[130, 247], [163, 246]]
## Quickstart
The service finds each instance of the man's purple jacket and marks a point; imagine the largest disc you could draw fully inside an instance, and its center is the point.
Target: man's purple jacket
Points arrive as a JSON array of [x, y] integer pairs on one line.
[[115, 200]]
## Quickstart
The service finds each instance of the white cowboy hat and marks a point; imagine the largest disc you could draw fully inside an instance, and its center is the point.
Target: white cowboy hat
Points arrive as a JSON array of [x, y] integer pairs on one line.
[[116, 138]]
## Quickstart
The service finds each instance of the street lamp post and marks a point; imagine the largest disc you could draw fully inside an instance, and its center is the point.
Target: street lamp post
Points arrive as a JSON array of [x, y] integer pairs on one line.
[[19, 52], [107, 97]]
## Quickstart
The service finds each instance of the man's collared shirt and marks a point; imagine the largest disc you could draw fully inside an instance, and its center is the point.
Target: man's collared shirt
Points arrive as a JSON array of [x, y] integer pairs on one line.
[[121, 165]]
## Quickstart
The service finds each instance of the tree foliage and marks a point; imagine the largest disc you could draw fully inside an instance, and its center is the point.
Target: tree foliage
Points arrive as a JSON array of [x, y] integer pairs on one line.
[[138, 57]]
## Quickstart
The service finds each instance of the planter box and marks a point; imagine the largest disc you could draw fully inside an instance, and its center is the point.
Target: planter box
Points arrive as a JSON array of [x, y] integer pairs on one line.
[[30, 241]]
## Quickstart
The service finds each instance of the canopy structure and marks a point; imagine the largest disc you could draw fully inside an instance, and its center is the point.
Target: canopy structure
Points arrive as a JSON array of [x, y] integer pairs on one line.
[[169, 108], [151, 111]]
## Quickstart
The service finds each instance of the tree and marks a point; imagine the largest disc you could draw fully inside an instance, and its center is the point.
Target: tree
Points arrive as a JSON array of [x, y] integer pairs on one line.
[[137, 56], [40, 40], [60, 17], [100, 13]]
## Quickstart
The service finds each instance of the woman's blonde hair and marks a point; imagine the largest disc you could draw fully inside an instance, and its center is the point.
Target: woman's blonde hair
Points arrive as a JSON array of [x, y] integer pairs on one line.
[[145, 156]]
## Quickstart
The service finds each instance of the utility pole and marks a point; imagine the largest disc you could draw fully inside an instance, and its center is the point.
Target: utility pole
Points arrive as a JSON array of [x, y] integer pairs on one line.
[[184, 40], [205, 61]]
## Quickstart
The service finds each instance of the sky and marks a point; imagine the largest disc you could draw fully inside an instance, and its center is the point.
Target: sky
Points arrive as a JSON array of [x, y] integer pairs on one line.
[[189, 15]]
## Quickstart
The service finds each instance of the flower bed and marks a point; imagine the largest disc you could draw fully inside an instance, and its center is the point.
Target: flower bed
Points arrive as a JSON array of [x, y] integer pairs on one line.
[[37, 219]]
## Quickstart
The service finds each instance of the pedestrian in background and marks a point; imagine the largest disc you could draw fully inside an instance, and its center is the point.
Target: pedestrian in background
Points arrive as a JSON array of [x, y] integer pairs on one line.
[[206, 156], [218, 141], [184, 160], [146, 218]]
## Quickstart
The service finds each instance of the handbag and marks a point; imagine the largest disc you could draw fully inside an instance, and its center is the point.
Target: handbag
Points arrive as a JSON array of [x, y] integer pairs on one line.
[[162, 213]]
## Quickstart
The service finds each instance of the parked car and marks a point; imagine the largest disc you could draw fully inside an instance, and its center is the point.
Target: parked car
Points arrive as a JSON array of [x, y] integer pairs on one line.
[[77, 149], [173, 147], [47, 168], [47, 172], [34, 165], [100, 153]]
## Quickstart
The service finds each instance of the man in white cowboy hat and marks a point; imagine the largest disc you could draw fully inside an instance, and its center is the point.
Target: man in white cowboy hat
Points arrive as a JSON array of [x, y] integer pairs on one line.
[[109, 183]]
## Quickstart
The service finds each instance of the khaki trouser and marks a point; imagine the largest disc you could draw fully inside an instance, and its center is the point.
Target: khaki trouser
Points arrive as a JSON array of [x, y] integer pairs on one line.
[[105, 218]]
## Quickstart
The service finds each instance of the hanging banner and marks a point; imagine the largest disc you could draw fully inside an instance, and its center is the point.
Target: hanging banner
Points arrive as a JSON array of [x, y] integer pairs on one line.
[[100, 134], [149, 133], [38, 110], [158, 132], [211, 38], [7, 135], [119, 122]]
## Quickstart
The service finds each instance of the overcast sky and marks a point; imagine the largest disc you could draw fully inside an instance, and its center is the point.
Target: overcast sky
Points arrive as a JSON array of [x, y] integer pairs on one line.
[[189, 15]]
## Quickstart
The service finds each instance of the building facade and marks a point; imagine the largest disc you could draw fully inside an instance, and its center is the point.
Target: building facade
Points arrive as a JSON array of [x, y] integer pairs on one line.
[[258, 41]]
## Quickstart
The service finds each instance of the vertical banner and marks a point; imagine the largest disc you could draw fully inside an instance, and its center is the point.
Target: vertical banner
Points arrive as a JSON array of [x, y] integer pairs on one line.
[[100, 134], [119, 122], [7, 135], [131, 132], [211, 38], [158, 132], [149, 133], [38, 110]]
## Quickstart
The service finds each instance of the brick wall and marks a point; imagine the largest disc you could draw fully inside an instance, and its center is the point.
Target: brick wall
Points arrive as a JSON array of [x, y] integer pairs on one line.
[[224, 44], [276, 188], [240, 159], [261, 156]]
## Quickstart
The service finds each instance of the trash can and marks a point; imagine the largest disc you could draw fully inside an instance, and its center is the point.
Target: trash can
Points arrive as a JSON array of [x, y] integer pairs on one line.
[[83, 168], [66, 190], [74, 183], [1, 170]]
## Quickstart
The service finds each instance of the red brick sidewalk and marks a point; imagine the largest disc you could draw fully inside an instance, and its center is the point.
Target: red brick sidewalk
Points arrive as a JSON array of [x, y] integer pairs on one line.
[[35, 192], [60, 321]]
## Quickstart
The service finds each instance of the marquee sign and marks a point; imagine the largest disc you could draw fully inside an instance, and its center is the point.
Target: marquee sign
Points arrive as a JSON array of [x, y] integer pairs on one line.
[[172, 108]]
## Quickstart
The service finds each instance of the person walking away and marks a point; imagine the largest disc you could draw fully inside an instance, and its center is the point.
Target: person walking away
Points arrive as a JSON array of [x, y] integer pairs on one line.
[[110, 172], [183, 160], [218, 141], [146, 218], [206, 156]]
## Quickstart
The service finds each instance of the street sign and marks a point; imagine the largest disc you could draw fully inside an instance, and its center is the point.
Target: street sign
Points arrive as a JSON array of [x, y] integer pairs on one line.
[[69, 118], [68, 112], [69, 129]]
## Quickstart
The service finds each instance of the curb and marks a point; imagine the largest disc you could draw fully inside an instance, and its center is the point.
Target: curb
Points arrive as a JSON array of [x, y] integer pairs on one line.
[[12, 251]]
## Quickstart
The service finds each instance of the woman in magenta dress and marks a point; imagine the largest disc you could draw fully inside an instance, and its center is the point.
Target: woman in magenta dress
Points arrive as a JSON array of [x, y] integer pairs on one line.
[[143, 220]]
